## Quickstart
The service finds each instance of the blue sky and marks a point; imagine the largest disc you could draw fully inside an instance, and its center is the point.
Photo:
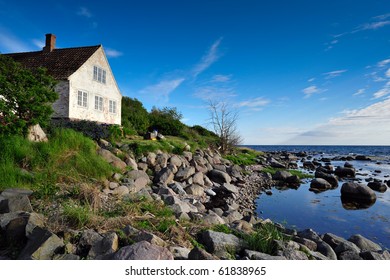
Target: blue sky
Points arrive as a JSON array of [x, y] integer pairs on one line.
[[297, 72]]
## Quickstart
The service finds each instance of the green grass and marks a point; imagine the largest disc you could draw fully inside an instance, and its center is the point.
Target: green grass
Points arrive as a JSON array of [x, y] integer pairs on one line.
[[243, 156], [262, 239], [67, 157], [77, 215], [300, 174]]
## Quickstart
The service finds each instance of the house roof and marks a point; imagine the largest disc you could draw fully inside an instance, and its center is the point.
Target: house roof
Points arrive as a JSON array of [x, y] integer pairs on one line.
[[60, 63]]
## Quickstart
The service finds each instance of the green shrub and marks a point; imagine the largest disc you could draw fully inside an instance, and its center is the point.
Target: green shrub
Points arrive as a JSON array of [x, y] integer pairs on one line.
[[76, 215], [243, 156], [135, 118]]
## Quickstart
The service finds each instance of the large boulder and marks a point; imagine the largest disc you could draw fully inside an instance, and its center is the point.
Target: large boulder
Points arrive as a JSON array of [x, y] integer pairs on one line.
[[377, 186], [363, 243], [281, 175], [195, 190], [42, 245], [380, 255], [320, 184], [200, 254], [112, 159], [328, 177], [358, 191], [143, 250], [164, 177], [36, 134], [219, 243], [219, 177], [254, 255], [184, 173], [343, 172]]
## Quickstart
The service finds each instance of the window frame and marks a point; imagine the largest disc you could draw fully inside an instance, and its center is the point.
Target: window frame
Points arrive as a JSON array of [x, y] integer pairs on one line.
[[99, 75], [112, 106], [99, 101], [82, 98]]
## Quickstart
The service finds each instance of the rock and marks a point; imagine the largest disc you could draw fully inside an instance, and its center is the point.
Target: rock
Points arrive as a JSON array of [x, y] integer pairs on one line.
[[291, 254], [325, 249], [349, 255], [229, 188], [187, 155], [108, 244], [176, 161], [219, 177], [310, 244], [177, 188], [276, 164], [380, 255], [179, 253], [213, 219], [142, 166], [309, 165], [198, 179], [164, 177], [310, 234], [377, 186], [243, 226], [143, 251], [218, 243], [184, 173], [343, 172], [12, 192], [14, 204], [235, 171], [357, 191], [232, 216], [112, 159], [42, 245], [150, 237], [131, 162], [66, 257], [195, 190], [34, 220], [36, 134], [293, 180], [333, 240], [121, 191], [364, 244], [346, 246], [151, 159], [328, 177], [210, 192], [162, 160], [200, 254], [254, 255], [113, 185], [361, 157], [281, 175], [320, 184], [348, 165]]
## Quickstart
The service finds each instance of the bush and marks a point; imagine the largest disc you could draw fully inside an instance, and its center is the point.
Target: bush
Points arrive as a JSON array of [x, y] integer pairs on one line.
[[134, 116], [26, 97], [166, 121]]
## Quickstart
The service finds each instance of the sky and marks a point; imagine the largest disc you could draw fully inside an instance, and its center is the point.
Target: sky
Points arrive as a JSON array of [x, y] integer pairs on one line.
[[296, 72]]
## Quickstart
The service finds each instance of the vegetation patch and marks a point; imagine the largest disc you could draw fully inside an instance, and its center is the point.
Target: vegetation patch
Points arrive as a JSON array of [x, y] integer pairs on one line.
[[300, 174], [243, 156]]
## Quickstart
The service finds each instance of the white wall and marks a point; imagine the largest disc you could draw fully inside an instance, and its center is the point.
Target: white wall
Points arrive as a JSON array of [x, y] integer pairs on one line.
[[82, 79]]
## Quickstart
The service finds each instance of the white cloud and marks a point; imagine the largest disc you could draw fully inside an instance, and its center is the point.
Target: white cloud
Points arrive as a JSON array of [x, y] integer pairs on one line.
[[84, 12], [207, 93], [255, 104], [366, 126], [382, 17], [309, 91], [113, 53], [334, 74], [311, 80], [359, 92], [10, 43], [208, 59], [221, 78], [388, 73], [374, 25], [39, 43], [384, 62], [162, 90], [385, 90]]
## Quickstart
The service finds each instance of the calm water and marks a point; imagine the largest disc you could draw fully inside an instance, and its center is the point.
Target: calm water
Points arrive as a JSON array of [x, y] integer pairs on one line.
[[324, 212]]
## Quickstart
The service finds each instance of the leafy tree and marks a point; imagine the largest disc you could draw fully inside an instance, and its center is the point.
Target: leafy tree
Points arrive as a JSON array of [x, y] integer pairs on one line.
[[134, 115], [166, 120], [25, 97]]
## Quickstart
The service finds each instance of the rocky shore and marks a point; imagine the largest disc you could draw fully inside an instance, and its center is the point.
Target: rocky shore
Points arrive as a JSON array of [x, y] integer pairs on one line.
[[200, 186]]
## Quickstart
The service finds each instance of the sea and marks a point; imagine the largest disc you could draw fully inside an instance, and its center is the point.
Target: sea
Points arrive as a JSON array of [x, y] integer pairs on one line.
[[325, 212]]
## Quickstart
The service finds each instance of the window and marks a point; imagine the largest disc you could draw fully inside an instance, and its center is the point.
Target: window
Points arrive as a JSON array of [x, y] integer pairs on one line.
[[98, 103], [99, 74], [112, 106], [82, 99]]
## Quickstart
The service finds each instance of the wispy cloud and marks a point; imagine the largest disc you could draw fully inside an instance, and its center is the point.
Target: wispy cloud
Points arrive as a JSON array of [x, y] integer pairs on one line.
[[372, 25], [353, 127], [210, 92], [113, 53], [208, 59], [383, 63], [334, 74], [221, 78], [38, 43], [385, 90], [255, 104], [10, 43], [309, 91], [359, 92], [162, 90], [84, 12]]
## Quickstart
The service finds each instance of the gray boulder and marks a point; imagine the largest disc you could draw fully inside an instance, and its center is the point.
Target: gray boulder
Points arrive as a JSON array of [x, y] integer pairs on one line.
[[14, 204], [176, 161], [184, 173], [179, 253], [198, 179], [219, 243], [254, 255], [380, 255], [328, 177], [276, 164], [309, 234], [42, 245], [281, 175], [143, 251], [200, 254], [229, 188], [325, 249], [377, 186], [333, 240], [164, 177], [320, 184], [195, 190], [343, 172], [177, 188], [219, 177], [149, 237], [112, 159], [346, 246], [357, 191], [363, 243]]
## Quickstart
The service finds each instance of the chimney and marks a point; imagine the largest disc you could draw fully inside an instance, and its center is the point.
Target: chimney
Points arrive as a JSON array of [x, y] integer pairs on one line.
[[50, 43]]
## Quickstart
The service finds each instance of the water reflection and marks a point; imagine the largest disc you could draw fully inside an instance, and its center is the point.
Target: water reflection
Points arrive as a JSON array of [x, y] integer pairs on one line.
[[356, 204]]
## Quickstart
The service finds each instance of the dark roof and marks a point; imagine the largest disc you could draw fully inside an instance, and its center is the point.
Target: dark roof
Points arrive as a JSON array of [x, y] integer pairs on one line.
[[60, 63]]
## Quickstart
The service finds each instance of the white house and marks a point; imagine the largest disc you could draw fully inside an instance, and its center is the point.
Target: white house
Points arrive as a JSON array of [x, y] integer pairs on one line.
[[86, 85]]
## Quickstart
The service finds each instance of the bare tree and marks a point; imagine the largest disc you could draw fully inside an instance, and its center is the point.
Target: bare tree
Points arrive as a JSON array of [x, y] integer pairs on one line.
[[224, 122]]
